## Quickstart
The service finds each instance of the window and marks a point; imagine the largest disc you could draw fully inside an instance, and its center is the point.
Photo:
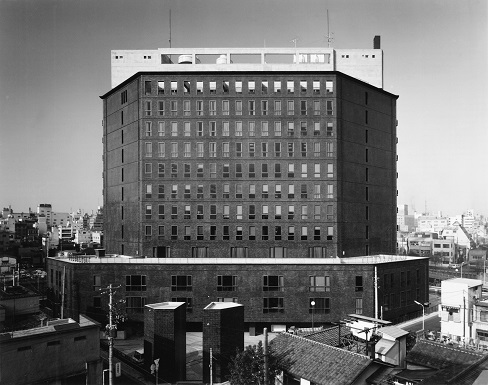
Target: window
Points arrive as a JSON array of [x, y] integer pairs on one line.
[[359, 283], [321, 305], [148, 130], [252, 212], [225, 233], [316, 149], [226, 212], [187, 170], [148, 191], [264, 169], [225, 107], [148, 149], [147, 87], [252, 191], [161, 169], [278, 252], [187, 149], [264, 233], [329, 86], [273, 305], [226, 149], [97, 282], [238, 131], [213, 170], [303, 107], [212, 131], [277, 87], [238, 170], [277, 149], [330, 191], [135, 304], [316, 229], [316, 107], [252, 170], [264, 128], [135, 283], [252, 107], [239, 213], [252, 149], [174, 232], [147, 108], [290, 86], [330, 129], [174, 212], [199, 252], [212, 107], [359, 306], [213, 233], [160, 211], [161, 150], [277, 170], [319, 283], [277, 107], [304, 170], [174, 149], [291, 212], [227, 283], [303, 148], [291, 129], [225, 129], [147, 168], [304, 236], [213, 212], [225, 86], [304, 212], [303, 86], [199, 108], [123, 97], [265, 212], [329, 107], [290, 107], [226, 170], [264, 87], [238, 86], [174, 107], [252, 128], [238, 191], [239, 233], [187, 214], [238, 107], [330, 233], [316, 170], [251, 86], [265, 191], [199, 87], [252, 233], [174, 129], [148, 211], [212, 148], [264, 107], [278, 213], [291, 149], [186, 86], [273, 283], [181, 283], [212, 87]]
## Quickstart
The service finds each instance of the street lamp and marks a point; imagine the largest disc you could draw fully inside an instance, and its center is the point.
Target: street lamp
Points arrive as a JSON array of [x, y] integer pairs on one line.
[[313, 308], [423, 314]]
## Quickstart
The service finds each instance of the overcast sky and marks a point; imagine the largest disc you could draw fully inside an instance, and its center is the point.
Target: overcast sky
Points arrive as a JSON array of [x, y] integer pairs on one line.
[[55, 63]]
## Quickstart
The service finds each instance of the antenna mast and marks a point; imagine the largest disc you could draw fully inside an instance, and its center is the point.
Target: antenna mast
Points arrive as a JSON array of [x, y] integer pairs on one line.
[[329, 36], [170, 28]]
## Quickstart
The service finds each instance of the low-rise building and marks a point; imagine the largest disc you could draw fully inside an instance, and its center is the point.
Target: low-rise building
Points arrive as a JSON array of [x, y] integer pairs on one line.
[[52, 354], [274, 291]]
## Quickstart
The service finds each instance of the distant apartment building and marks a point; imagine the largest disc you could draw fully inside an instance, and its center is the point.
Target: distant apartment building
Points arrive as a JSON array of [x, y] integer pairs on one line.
[[421, 243], [262, 160], [431, 224], [96, 220], [405, 221], [444, 248]]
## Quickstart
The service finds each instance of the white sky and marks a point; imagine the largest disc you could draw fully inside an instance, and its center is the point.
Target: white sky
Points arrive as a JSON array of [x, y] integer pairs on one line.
[[55, 63]]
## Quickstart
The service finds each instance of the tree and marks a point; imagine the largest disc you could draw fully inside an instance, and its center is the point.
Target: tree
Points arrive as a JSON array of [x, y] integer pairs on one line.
[[247, 367]]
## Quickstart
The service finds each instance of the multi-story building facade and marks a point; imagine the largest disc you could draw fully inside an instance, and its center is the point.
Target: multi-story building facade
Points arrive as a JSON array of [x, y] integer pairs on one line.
[[249, 160], [276, 291]]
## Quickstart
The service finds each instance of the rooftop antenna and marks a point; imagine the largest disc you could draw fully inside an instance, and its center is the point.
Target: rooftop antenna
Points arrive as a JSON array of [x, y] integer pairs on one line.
[[294, 40], [170, 28], [329, 35]]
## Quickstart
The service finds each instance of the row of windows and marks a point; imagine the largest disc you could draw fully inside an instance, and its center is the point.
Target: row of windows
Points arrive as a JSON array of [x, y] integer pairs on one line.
[[52, 343], [251, 87], [316, 305], [240, 212], [391, 279], [238, 108], [201, 232], [239, 150], [237, 191], [316, 283], [402, 299], [237, 128], [238, 170]]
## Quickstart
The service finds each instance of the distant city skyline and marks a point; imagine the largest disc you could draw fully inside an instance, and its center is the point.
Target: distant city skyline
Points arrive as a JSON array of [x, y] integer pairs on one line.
[[55, 63]]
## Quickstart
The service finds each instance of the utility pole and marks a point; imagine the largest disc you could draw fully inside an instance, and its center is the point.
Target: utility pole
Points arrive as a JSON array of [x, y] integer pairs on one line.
[[211, 367], [266, 380], [110, 331]]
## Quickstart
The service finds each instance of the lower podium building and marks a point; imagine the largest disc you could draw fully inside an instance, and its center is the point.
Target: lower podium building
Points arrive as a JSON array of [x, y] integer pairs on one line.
[[275, 292]]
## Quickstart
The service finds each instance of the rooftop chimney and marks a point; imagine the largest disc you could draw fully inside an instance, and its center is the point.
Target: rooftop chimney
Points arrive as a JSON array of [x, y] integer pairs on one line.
[[377, 42]]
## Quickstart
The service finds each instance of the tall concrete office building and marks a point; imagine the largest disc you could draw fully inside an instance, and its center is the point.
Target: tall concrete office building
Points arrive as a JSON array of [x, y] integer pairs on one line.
[[259, 152]]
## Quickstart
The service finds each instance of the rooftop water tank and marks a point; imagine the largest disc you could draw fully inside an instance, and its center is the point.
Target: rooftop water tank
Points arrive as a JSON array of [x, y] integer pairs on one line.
[[222, 59], [184, 59]]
